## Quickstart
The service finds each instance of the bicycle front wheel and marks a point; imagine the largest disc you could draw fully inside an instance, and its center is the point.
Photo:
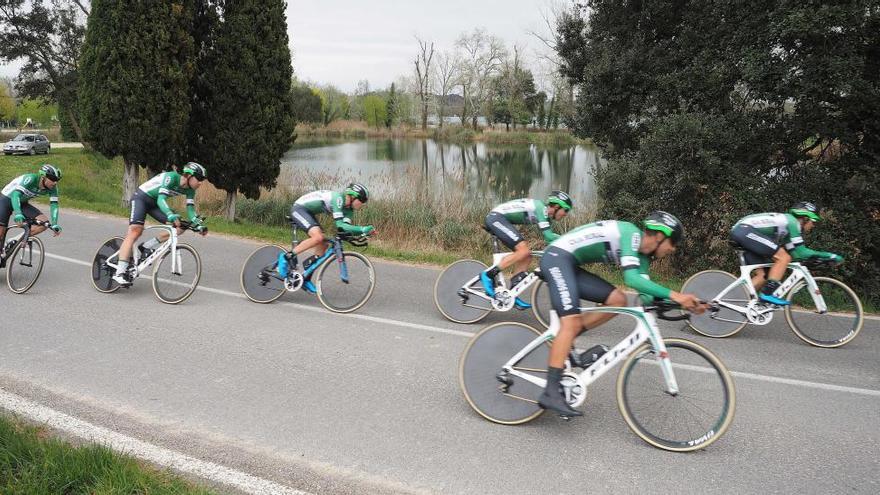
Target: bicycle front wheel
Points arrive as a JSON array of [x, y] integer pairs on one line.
[[451, 280], [345, 295], [24, 265], [707, 285], [173, 283], [260, 280], [698, 415], [102, 274], [834, 328], [481, 363]]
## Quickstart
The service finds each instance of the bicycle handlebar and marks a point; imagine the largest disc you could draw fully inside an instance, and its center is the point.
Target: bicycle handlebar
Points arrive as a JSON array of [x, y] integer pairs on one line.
[[661, 307]]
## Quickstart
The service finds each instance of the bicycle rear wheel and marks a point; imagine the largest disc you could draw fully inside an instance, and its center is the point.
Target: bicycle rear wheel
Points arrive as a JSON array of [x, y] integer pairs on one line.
[[839, 325], [345, 296], [694, 418], [707, 285], [173, 286], [24, 265], [481, 362], [446, 288], [102, 274], [260, 281]]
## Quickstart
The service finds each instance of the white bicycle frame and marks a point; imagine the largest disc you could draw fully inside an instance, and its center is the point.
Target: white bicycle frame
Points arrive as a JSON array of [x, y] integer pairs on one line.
[[141, 265], [759, 316], [646, 330], [505, 296]]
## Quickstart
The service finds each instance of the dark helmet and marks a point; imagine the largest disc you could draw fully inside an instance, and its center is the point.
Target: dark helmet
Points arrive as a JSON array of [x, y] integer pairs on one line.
[[805, 209], [667, 223], [196, 170], [358, 191], [50, 172], [561, 199]]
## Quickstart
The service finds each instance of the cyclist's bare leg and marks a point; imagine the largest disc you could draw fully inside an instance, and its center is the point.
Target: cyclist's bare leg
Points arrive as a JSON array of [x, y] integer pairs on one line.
[[593, 319], [781, 259], [134, 233], [314, 241], [2, 235], [520, 257], [569, 328]]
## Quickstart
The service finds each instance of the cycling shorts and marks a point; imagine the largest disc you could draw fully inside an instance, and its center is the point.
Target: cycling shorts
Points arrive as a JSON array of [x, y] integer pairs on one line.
[[27, 209], [303, 218], [500, 227], [568, 283], [758, 248], [141, 206]]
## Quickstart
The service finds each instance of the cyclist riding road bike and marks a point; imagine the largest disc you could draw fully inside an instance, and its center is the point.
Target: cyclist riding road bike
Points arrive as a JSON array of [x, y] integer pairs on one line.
[[15, 198]]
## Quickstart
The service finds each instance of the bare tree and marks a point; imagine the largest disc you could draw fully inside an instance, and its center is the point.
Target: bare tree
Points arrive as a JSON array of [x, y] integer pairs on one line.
[[483, 55], [447, 71], [423, 74]]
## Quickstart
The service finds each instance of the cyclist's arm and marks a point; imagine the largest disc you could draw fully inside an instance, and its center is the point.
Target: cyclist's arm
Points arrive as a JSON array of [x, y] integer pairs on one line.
[[15, 198], [53, 205], [162, 201], [544, 223], [344, 224], [796, 247], [191, 205], [636, 277], [342, 217]]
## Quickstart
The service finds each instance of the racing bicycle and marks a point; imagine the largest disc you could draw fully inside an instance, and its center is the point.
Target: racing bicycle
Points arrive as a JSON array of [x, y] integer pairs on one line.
[[177, 267], [673, 393], [342, 280], [23, 256], [824, 312]]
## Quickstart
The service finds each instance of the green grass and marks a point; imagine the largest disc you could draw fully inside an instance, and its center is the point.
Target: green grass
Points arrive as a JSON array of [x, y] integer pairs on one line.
[[31, 462]]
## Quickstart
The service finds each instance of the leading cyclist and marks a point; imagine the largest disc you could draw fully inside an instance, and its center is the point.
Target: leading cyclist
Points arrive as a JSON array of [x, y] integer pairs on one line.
[[16, 196]]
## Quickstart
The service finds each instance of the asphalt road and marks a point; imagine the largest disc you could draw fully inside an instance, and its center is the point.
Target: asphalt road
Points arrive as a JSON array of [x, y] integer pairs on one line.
[[370, 403]]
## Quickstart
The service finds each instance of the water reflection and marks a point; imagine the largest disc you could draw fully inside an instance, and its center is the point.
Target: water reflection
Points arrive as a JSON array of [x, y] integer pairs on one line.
[[479, 170]]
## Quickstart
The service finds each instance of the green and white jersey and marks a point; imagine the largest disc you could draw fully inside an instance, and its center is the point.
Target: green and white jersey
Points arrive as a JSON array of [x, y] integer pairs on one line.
[[785, 230], [333, 202], [26, 187], [165, 185], [527, 211], [613, 242]]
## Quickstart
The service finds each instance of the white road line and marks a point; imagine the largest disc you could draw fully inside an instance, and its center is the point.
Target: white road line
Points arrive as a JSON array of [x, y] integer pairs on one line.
[[142, 450], [458, 333]]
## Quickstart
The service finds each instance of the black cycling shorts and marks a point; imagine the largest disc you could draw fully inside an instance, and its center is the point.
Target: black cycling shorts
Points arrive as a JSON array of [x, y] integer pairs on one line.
[[27, 209], [568, 283], [500, 227], [303, 218], [141, 206], [758, 248]]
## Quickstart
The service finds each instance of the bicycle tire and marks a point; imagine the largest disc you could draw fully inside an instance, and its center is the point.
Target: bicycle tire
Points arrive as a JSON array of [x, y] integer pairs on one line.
[[249, 280], [446, 297], [102, 275], [482, 359], [191, 286], [840, 289], [323, 286], [12, 266], [685, 370], [699, 285]]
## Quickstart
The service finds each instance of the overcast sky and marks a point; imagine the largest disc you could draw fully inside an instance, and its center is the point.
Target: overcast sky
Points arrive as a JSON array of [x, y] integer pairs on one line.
[[344, 41]]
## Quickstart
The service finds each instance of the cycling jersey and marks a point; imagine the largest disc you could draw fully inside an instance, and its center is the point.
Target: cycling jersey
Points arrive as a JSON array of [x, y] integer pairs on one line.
[[165, 185], [781, 229], [528, 211], [26, 187], [318, 202], [614, 242]]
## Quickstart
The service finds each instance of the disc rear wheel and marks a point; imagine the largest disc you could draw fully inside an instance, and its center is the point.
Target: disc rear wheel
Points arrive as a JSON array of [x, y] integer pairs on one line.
[[446, 292], [102, 273], [724, 322], [260, 280]]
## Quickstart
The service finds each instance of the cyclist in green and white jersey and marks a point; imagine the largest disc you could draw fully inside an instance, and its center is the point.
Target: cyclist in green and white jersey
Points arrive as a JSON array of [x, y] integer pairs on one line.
[[614, 242], [501, 222], [777, 238], [16, 196], [151, 198], [339, 204]]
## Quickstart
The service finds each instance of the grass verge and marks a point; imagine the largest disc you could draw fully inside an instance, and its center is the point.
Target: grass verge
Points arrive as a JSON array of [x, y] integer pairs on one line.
[[33, 462]]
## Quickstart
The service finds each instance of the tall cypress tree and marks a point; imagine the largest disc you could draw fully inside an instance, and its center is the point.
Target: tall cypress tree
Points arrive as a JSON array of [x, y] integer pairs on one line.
[[135, 73], [243, 119]]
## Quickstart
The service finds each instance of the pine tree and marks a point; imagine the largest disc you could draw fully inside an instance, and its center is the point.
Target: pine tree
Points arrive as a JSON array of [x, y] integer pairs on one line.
[[243, 119], [391, 107], [135, 73]]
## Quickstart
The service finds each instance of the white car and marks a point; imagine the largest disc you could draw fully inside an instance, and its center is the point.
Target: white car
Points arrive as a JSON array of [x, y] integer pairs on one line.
[[30, 144]]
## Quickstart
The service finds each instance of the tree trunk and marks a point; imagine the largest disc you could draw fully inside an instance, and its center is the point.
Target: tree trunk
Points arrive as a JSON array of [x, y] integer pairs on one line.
[[229, 205], [129, 182], [464, 106], [425, 115]]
